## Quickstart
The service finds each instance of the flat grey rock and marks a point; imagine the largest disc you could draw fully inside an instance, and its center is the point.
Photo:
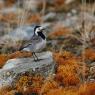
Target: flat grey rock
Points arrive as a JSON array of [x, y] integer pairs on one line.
[[17, 66]]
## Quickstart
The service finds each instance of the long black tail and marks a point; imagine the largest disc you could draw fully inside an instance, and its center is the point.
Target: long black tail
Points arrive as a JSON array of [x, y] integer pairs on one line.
[[21, 48]]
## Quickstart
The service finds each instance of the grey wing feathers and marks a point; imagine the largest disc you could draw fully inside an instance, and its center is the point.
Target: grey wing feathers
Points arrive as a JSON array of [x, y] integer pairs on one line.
[[34, 40]]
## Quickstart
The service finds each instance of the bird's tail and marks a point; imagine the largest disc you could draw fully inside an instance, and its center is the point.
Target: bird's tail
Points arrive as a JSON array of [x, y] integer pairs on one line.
[[21, 48]]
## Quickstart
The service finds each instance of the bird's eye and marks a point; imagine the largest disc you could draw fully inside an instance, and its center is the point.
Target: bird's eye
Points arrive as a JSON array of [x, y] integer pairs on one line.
[[39, 29]]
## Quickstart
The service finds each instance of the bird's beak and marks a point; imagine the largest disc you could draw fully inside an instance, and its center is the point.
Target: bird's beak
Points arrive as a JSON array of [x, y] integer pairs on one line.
[[43, 29]]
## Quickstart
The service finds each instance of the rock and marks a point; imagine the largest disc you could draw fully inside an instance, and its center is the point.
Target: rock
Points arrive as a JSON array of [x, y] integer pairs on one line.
[[17, 66]]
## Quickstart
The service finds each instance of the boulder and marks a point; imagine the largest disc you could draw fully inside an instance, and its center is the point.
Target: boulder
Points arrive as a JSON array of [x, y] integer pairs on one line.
[[18, 66]]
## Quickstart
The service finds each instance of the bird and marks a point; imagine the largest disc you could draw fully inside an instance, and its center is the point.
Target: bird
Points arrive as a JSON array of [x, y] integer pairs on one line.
[[37, 42]]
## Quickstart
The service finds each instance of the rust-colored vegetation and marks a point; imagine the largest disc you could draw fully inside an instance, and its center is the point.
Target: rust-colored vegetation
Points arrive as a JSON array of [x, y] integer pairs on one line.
[[34, 18], [29, 84], [73, 74], [90, 54], [3, 59], [87, 89], [59, 31]]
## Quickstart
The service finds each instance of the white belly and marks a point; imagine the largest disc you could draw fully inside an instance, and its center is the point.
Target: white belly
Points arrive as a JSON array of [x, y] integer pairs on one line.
[[40, 46]]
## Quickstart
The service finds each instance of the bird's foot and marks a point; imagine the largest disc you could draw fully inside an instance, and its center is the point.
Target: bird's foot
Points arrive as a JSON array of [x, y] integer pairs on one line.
[[37, 60]]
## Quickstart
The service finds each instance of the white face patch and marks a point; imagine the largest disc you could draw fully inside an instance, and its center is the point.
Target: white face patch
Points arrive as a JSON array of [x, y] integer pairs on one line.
[[38, 30]]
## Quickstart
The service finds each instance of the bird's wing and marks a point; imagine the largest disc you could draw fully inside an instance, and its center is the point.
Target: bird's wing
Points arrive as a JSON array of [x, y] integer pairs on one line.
[[25, 44], [36, 39], [33, 41]]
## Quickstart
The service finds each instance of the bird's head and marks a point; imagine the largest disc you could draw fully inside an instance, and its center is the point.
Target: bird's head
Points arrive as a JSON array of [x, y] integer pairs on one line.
[[38, 31]]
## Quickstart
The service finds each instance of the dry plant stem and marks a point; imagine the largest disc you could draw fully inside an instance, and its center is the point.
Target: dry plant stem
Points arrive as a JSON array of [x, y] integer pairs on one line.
[[24, 14], [61, 48], [8, 27], [84, 44], [74, 36], [43, 10], [83, 49], [92, 34], [93, 8]]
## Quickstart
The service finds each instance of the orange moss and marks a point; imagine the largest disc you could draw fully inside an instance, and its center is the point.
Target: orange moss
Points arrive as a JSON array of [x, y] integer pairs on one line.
[[87, 89], [70, 66], [3, 59], [1, 6], [5, 90], [61, 57], [65, 54], [9, 17], [59, 31], [63, 91], [27, 84], [1, 17], [90, 54], [12, 92], [9, 3], [58, 58], [67, 68], [19, 54], [71, 91], [59, 2], [66, 58], [56, 92], [67, 76], [35, 18], [30, 90], [71, 80], [49, 85]]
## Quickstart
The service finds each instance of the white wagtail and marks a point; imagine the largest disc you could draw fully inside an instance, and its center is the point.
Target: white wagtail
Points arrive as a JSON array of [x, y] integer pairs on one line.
[[37, 42]]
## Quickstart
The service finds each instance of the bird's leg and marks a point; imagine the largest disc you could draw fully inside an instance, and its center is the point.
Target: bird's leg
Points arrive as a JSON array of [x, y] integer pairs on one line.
[[36, 56]]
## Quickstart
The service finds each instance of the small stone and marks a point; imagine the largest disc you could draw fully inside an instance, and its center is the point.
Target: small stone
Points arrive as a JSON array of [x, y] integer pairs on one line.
[[8, 73]]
